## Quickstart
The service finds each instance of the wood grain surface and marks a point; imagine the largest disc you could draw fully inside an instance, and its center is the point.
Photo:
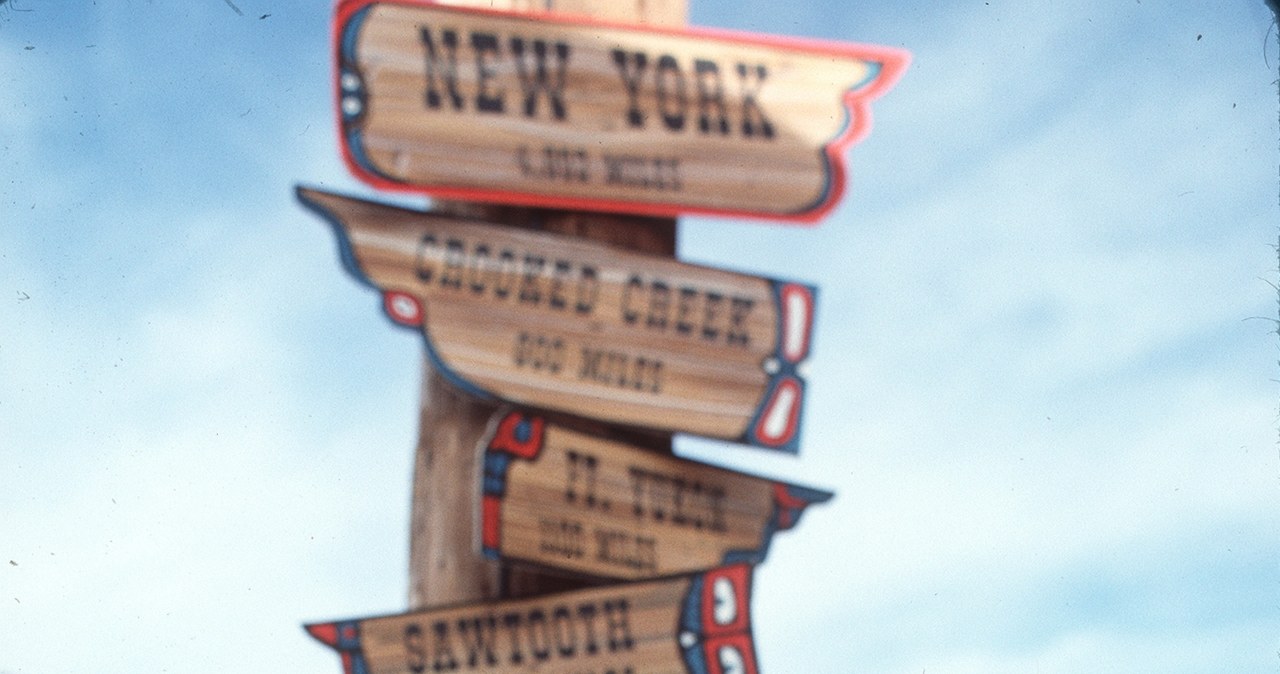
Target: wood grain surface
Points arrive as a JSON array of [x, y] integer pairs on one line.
[[697, 624], [562, 324], [565, 499], [562, 111]]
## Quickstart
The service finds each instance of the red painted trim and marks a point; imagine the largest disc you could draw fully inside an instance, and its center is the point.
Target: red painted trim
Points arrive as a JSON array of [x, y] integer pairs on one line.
[[893, 62], [737, 576], [739, 642], [795, 355], [491, 512], [793, 416], [392, 298], [505, 440], [326, 633]]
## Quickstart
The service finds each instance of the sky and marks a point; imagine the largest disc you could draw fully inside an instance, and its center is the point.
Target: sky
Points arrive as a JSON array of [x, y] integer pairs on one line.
[[1043, 387]]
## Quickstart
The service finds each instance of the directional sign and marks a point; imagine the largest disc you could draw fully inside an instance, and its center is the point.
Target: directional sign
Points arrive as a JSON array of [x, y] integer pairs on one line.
[[533, 109], [691, 624], [565, 499], [564, 324]]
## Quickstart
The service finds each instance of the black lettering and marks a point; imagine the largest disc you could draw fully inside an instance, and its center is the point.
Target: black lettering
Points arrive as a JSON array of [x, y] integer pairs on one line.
[[538, 83], [475, 270], [618, 625], [562, 628], [486, 100], [482, 640], [504, 273], [631, 66], [753, 120], [659, 305], [684, 307], [555, 295], [588, 290], [432, 94], [455, 256], [522, 160], [637, 490], [697, 498], [678, 487], [512, 622], [710, 95], [529, 291], [537, 621], [628, 316], [590, 369], [422, 264], [646, 553], [444, 661], [572, 458], [417, 656], [715, 496], [710, 309], [588, 614], [657, 484], [737, 334], [667, 72]]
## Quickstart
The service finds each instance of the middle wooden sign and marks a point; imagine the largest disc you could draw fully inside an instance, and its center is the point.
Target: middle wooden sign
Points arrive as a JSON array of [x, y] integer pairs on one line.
[[564, 324], [569, 500]]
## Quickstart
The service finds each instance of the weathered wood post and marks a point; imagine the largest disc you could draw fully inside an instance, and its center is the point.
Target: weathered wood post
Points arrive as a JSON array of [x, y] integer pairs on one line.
[[604, 344], [445, 563]]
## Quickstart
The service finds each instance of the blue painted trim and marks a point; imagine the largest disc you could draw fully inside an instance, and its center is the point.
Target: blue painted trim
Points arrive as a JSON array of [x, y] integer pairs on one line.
[[351, 124], [785, 370], [353, 643], [495, 473], [351, 31], [356, 147], [691, 622], [774, 525], [349, 262], [447, 372], [345, 250]]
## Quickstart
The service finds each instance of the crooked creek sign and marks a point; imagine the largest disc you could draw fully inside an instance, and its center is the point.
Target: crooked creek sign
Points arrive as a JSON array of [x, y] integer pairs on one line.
[[697, 624], [559, 112], [549, 111], [565, 499], [563, 324]]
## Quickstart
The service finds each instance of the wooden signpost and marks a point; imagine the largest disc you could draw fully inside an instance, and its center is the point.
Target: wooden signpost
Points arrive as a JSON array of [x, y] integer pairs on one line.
[[564, 324], [565, 499], [570, 112], [615, 109], [696, 624]]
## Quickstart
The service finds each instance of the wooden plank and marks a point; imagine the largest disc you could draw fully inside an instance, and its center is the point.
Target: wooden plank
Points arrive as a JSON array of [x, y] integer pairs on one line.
[[560, 498], [570, 112], [562, 324], [445, 567], [697, 624]]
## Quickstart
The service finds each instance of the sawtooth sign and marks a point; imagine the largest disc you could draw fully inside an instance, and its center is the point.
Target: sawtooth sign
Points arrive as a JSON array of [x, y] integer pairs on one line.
[[559, 323], [564, 499], [698, 624], [544, 110]]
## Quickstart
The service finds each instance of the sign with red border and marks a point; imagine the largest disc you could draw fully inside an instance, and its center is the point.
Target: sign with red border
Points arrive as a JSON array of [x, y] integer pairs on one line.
[[550, 111]]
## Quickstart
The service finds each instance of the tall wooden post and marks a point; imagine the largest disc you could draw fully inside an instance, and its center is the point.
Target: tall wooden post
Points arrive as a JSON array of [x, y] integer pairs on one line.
[[445, 563]]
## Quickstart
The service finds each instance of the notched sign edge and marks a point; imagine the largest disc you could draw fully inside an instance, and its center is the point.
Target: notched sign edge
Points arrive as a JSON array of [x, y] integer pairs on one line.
[[776, 422], [712, 628], [519, 435], [886, 66]]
